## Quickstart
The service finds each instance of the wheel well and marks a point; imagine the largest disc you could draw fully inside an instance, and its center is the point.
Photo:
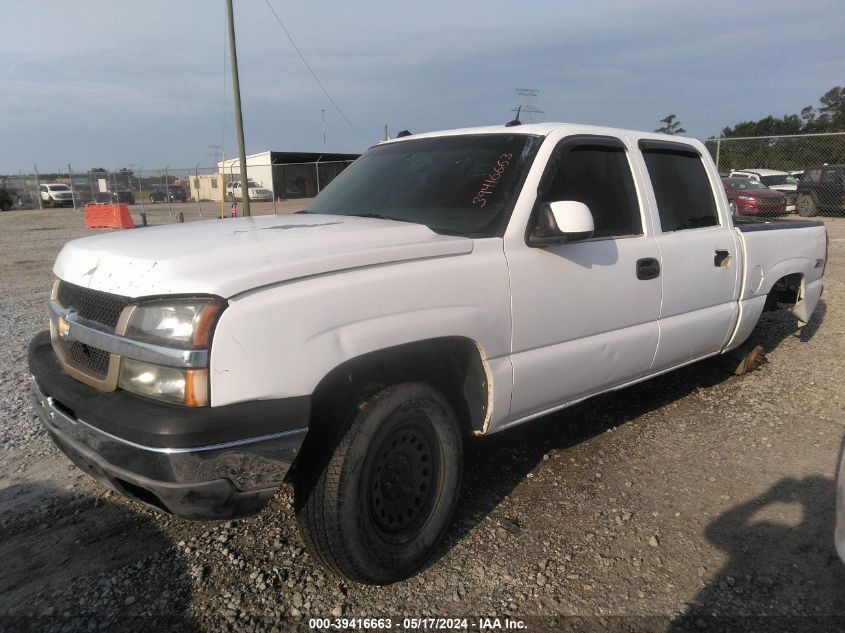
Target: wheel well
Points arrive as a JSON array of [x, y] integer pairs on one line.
[[786, 290], [451, 364]]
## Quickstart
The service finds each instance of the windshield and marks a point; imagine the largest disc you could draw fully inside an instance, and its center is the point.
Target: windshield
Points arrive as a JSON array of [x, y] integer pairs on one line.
[[463, 185], [744, 183], [786, 179], [58, 187]]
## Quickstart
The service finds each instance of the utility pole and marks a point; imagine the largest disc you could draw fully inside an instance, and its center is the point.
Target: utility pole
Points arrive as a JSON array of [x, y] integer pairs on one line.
[[72, 191], [385, 131], [141, 188], [239, 122], [197, 183], [38, 188], [323, 115], [219, 159], [167, 191]]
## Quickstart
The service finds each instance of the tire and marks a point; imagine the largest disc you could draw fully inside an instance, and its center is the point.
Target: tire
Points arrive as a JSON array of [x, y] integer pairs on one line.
[[806, 206], [5, 205], [375, 508]]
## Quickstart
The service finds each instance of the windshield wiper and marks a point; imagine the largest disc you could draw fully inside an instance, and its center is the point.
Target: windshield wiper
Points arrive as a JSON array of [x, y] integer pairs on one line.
[[379, 216]]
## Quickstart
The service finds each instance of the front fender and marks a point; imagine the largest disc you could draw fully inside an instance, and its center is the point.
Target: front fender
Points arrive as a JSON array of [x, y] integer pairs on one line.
[[285, 339]]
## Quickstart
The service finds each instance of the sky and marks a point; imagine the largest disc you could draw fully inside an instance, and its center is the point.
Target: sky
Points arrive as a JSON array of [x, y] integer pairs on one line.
[[146, 83]]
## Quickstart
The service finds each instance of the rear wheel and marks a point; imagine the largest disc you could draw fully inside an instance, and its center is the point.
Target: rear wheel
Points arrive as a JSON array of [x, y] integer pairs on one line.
[[5, 205], [806, 206], [374, 509]]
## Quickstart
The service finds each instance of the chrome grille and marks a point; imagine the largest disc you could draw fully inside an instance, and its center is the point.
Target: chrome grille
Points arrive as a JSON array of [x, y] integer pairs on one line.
[[94, 360], [100, 307]]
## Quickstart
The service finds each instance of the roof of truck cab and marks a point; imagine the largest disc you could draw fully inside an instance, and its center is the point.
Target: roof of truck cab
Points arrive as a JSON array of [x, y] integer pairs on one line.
[[541, 129]]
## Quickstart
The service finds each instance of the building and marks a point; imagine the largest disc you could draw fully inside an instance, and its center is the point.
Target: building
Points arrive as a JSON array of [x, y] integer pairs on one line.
[[286, 174], [206, 187]]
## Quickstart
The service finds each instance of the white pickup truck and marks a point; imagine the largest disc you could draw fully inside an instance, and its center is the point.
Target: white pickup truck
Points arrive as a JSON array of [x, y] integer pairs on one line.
[[444, 286]]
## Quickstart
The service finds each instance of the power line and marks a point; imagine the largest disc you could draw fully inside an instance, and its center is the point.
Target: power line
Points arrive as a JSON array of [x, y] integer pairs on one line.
[[313, 74]]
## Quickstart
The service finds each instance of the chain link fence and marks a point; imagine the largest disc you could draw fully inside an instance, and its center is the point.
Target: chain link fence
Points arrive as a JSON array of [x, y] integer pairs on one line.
[[763, 176], [210, 188], [779, 175]]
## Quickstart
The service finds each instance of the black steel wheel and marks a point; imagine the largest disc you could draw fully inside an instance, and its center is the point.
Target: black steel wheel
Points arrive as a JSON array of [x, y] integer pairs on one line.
[[375, 508], [806, 206], [403, 481]]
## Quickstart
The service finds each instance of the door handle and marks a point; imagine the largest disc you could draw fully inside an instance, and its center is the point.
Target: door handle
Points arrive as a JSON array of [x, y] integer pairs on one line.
[[722, 258], [648, 268]]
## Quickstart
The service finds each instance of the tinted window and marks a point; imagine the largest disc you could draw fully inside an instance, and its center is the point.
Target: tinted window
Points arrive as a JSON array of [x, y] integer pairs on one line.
[[777, 180], [463, 184], [831, 176], [813, 175], [600, 177], [682, 189]]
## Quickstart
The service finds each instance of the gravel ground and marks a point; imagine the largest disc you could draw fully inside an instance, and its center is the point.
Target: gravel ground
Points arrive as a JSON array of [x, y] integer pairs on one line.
[[697, 500]]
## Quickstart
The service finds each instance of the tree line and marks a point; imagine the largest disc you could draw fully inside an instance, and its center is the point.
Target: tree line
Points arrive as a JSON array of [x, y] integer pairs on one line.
[[781, 153]]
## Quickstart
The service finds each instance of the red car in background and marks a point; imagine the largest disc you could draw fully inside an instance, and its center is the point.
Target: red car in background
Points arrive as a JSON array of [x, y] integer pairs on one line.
[[749, 197]]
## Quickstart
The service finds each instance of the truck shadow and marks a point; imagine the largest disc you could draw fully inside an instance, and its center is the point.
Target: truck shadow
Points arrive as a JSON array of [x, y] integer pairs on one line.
[[782, 564], [125, 573], [775, 327], [496, 465]]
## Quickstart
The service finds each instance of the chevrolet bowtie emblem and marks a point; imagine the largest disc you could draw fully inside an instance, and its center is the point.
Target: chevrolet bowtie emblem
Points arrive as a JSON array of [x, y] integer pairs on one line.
[[64, 326]]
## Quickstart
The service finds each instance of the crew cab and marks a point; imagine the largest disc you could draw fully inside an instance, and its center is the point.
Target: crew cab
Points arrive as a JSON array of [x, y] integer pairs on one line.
[[444, 286]]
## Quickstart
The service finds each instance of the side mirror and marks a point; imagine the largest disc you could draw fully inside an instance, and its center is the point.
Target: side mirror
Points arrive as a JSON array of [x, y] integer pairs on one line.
[[560, 223]]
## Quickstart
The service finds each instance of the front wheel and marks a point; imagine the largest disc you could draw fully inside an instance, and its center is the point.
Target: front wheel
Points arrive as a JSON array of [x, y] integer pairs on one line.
[[5, 205], [806, 206], [374, 510]]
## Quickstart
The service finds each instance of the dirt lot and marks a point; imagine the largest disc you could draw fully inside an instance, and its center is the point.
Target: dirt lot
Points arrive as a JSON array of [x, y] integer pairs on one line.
[[698, 500]]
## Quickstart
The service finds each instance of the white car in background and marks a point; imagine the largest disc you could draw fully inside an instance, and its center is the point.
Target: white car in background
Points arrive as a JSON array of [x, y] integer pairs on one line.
[[257, 193], [56, 195], [783, 181]]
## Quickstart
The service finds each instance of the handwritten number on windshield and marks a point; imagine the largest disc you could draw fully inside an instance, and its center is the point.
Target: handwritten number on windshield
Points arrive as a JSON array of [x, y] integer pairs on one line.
[[489, 184]]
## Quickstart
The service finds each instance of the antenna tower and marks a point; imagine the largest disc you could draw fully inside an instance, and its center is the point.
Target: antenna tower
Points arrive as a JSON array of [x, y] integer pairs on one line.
[[528, 104]]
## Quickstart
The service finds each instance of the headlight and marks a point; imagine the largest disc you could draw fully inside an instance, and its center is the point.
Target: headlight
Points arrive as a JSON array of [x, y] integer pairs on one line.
[[180, 386], [180, 323], [183, 324]]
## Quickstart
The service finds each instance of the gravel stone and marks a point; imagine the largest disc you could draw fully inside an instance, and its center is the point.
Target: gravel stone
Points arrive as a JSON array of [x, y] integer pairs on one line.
[[731, 477]]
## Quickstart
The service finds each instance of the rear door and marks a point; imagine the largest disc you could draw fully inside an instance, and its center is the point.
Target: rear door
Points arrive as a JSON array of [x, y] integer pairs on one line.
[[699, 254], [585, 313]]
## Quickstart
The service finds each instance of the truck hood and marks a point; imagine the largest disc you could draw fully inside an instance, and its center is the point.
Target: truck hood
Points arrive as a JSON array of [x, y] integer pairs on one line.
[[228, 257]]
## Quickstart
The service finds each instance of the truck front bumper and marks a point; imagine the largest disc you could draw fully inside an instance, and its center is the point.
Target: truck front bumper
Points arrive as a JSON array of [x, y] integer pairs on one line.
[[226, 477]]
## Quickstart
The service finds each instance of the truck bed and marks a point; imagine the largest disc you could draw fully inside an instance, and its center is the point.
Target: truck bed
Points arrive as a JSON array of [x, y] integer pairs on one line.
[[747, 223]]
